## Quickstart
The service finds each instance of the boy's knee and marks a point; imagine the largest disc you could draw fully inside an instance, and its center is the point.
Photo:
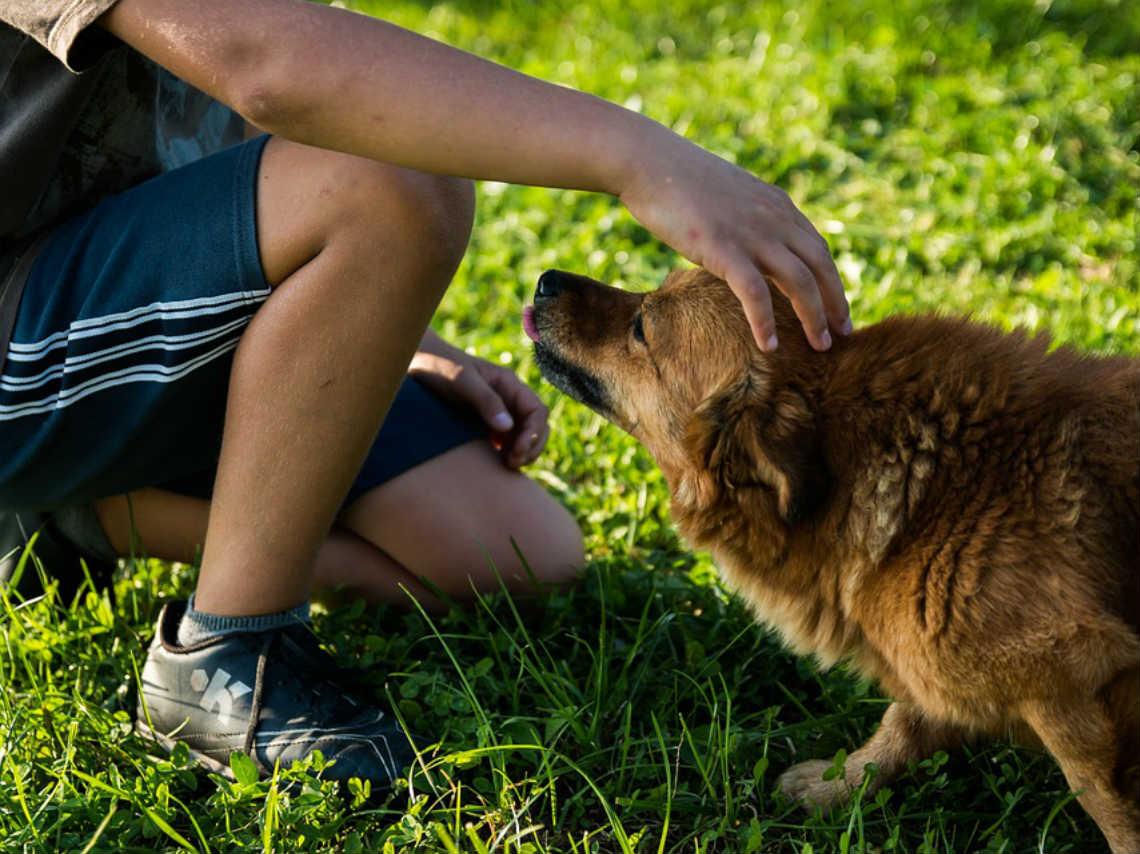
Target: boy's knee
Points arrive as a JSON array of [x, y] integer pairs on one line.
[[430, 216], [387, 216], [559, 557]]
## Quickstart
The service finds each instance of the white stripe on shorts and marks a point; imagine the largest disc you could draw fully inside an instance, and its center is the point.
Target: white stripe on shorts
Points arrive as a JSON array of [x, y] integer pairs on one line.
[[90, 327], [161, 374], [72, 364]]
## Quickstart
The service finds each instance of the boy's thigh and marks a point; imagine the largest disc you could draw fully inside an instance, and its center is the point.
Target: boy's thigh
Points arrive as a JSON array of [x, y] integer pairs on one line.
[[118, 367]]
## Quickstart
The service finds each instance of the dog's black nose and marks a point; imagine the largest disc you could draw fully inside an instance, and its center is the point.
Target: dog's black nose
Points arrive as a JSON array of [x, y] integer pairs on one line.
[[550, 285]]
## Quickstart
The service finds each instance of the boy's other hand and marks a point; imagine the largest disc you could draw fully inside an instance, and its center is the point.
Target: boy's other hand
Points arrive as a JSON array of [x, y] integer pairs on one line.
[[515, 414]]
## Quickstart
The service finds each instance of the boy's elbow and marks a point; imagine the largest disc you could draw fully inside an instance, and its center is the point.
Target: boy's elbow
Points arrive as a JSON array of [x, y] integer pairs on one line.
[[267, 79], [264, 93], [260, 103], [254, 61], [282, 100]]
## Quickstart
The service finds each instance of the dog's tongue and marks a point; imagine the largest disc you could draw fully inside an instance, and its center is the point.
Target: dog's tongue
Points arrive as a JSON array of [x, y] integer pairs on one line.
[[528, 323]]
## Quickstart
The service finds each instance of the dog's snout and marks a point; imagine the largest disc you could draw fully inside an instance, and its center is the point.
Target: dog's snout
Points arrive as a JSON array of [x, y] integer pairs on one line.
[[550, 284]]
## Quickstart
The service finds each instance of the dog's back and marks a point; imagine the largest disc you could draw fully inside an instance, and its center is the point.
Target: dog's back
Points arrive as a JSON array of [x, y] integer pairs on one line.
[[1039, 445], [995, 480]]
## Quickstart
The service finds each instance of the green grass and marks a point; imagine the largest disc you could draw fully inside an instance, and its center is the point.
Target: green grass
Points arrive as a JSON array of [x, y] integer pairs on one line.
[[967, 157]]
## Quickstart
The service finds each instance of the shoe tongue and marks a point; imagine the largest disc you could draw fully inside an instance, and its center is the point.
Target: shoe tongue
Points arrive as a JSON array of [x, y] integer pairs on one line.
[[302, 640], [323, 664]]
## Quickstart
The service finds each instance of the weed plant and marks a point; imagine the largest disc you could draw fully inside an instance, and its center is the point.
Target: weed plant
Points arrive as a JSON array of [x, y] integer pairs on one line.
[[977, 157]]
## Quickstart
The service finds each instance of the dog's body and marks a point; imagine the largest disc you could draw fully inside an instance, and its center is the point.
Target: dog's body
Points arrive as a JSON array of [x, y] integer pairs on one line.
[[953, 509]]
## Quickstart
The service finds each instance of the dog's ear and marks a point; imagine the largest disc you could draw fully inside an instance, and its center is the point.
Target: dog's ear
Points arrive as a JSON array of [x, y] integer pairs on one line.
[[740, 438]]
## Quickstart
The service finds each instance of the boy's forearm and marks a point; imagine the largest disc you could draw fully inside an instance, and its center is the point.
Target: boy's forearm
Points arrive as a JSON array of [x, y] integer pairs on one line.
[[339, 80], [333, 79]]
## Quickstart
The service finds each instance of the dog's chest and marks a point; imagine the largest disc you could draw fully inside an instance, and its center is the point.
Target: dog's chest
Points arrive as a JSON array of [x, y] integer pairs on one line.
[[811, 619]]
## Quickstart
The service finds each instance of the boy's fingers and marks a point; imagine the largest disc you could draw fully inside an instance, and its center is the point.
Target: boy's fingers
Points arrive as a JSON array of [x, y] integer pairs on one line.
[[487, 402], [530, 438], [813, 250], [751, 288], [534, 423], [799, 285], [518, 397], [539, 443], [536, 442], [822, 279]]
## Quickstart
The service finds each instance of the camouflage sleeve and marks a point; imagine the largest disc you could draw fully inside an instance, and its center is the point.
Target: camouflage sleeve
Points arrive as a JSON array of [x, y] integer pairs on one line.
[[59, 25]]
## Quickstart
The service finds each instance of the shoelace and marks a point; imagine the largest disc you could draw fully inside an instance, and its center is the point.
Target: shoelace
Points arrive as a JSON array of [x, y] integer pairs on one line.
[[258, 692], [341, 681]]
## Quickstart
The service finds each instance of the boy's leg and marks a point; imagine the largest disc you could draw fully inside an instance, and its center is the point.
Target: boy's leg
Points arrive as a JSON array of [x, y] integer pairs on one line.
[[358, 254]]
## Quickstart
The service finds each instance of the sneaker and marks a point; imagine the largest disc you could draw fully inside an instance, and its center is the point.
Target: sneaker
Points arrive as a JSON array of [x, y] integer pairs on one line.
[[274, 695]]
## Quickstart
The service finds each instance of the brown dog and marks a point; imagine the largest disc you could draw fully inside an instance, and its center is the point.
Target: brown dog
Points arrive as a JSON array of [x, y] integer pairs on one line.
[[953, 509]]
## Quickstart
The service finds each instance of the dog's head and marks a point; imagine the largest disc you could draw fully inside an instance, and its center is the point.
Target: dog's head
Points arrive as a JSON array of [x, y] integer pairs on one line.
[[678, 369]]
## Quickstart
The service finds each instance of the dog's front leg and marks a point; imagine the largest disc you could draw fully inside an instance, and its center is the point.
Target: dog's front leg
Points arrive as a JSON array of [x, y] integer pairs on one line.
[[905, 733]]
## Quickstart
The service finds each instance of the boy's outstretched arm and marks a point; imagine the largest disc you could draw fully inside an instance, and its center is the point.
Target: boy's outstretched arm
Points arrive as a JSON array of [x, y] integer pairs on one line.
[[338, 80]]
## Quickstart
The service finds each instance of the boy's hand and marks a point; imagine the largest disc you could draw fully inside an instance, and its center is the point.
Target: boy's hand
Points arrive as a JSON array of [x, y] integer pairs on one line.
[[742, 230], [515, 414]]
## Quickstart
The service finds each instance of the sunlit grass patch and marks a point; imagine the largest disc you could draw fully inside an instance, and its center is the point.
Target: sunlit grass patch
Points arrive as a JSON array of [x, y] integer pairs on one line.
[[964, 157]]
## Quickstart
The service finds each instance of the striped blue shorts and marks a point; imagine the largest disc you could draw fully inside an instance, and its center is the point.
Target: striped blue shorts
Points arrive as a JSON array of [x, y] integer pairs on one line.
[[118, 366]]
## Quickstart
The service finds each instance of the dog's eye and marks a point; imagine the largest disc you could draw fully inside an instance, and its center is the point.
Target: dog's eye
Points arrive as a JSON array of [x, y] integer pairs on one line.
[[638, 329]]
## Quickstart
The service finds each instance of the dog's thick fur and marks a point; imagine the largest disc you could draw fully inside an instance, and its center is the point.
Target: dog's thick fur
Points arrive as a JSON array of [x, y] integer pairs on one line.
[[953, 509]]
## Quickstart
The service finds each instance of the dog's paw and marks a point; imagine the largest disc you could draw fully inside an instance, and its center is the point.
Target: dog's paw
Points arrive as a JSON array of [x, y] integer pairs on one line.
[[804, 783]]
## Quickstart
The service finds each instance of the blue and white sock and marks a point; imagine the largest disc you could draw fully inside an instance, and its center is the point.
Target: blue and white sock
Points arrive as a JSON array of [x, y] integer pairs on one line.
[[196, 626]]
